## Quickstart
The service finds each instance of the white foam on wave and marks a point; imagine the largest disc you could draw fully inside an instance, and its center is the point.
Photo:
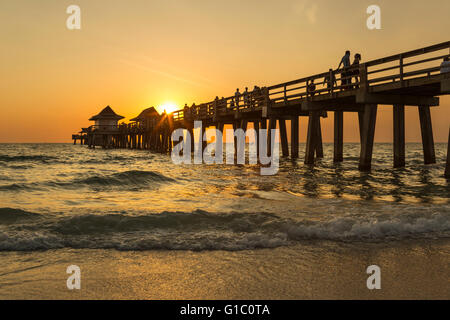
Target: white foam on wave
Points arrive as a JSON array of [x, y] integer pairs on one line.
[[226, 232], [399, 227]]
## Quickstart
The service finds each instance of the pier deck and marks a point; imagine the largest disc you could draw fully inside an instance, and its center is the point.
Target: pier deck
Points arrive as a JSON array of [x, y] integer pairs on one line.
[[408, 79]]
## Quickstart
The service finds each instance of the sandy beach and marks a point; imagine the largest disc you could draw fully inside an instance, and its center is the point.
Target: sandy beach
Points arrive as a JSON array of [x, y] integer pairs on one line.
[[331, 271]]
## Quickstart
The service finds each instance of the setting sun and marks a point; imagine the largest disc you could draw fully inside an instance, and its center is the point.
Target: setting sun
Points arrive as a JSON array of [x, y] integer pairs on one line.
[[168, 106]]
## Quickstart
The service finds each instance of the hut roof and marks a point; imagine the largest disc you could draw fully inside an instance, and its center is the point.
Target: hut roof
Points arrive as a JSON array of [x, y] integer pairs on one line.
[[107, 113], [147, 113]]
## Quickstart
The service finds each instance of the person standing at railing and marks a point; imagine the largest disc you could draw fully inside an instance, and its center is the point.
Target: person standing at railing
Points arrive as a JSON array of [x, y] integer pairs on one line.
[[345, 61], [355, 71], [445, 65], [222, 104], [232, 104], [246, 97], [186, 111], [312, 88], [256, 95], [330, 80], [237, 96]]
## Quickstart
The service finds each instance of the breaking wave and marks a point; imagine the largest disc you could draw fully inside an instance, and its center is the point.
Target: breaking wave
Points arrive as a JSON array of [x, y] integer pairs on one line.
[[26, 158], [132, 177], [200, 230], [11, 215]]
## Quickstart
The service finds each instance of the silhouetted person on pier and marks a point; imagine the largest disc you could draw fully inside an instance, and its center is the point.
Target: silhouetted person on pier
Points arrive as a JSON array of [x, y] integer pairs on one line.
[[246, 97], [256, 95], [186, 111], [312, 88], [445, 65], [237, 96], [345, 61], [355, 70], [222, 104], [330, 80]]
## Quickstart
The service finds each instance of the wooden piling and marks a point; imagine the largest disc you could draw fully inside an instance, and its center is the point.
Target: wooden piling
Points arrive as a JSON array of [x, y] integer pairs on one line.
[[368, 135], [220, 127], [311, 139], [264, 123], [272, 125], [256, 127], [427, 135], [294, 137], [203, 140], [361, 124], [244, 124], [319, 145], [283, 138], [338, 136], [447, 166], [399, 135], [191, 132]]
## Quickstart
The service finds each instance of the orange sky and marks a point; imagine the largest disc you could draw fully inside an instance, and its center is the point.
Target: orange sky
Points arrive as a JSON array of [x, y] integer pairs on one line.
[[139, 53]]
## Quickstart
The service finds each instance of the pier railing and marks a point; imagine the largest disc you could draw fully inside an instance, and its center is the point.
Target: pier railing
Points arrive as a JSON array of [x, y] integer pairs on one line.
[[95, 128], [420, 63]]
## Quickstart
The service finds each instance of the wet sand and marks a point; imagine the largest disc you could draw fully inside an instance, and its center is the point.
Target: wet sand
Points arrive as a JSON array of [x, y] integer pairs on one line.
[[409, 270]]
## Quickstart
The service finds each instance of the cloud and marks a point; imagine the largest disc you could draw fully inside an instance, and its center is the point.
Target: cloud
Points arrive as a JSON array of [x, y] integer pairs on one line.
[[311, 13], [306, 9], [161, 72]]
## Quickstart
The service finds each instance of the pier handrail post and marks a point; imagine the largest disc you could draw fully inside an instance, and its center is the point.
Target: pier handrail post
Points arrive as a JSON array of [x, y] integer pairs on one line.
[[363, 78], [401, 70], [331, 75], [265, 112], [215, 109], [307, 89]]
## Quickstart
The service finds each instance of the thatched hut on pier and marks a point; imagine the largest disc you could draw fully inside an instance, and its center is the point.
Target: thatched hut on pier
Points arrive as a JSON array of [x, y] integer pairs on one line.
[[105, 131], [106, 120]]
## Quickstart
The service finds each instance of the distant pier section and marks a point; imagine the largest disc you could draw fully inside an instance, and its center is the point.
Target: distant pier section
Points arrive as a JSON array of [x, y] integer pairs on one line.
[[408, 79]]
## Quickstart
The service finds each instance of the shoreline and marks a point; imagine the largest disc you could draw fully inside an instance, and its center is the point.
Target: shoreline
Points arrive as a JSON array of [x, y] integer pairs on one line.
[[413, 269]]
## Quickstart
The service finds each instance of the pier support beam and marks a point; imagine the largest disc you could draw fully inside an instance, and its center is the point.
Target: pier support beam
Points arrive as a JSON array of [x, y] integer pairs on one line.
[[338, 136], [283, 137], [264, 123], [191, 132], [272, 125], [447, 166], [244, 124], [294, 137], [399, 136], [319, 145], [427, 135], [204, 142], [256, 127], [361, 124], [312, 137], [368, 134], [236, 125]]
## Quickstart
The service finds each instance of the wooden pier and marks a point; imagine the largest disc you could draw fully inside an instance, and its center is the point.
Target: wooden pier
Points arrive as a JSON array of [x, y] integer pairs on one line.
[[408, 79]]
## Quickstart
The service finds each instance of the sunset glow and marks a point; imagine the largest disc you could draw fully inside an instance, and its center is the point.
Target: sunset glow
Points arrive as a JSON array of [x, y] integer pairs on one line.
[[168, 107], [62, 77]]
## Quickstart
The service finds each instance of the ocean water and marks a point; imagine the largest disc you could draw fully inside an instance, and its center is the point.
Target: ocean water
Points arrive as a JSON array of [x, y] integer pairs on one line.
[[56, 196]]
